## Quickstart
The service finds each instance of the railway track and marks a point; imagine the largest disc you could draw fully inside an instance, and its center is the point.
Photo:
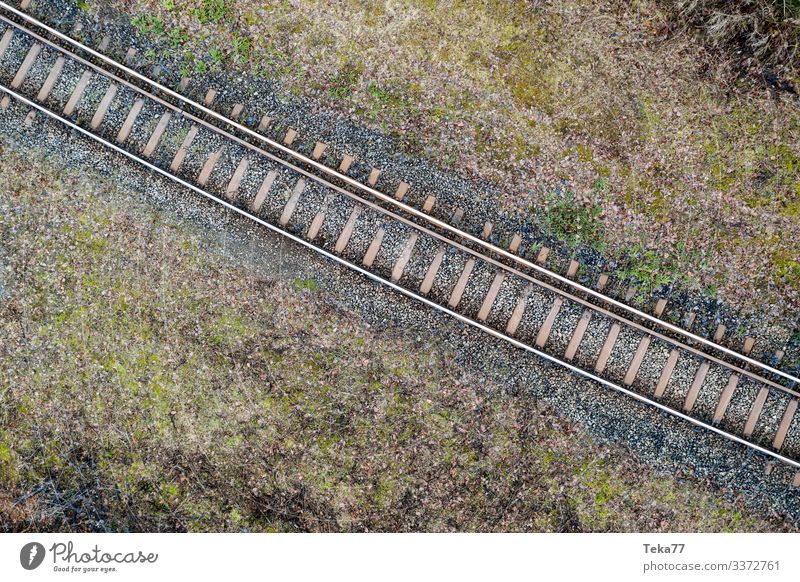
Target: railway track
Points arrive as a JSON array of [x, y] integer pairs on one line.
[[402, 240]]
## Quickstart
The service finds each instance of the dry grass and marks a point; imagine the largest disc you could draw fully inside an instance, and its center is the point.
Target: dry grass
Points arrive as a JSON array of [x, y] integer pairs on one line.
[[643, 125], [762, 35], [149, 385]]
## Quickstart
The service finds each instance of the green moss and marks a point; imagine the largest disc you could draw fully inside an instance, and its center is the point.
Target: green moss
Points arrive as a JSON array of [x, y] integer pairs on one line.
[[374, 14], [530, 82], [388, 101], [649, 117], [605, 492], [786, 269], [761, 174], [792, 209], [306, 284], [8, 468], [732, 519], [585, 153]]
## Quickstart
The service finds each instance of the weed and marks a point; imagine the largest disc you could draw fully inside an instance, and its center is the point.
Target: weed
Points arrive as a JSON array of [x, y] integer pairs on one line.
[[184, 68], [650, 270], [211, 11], [242, 47], [573, 223], [601, 185], [386, 100], [148, 24], [177, 37], [216, 55], [342, 84]]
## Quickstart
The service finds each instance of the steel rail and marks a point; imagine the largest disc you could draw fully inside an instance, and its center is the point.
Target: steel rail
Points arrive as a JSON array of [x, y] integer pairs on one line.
[[368, 203], [408, 293], [407, 208]]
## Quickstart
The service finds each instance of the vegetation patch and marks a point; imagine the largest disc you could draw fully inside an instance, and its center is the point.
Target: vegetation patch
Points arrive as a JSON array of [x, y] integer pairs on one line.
[[649, 271], [210, 11], [761, 32], [574, 223], [345, 80]]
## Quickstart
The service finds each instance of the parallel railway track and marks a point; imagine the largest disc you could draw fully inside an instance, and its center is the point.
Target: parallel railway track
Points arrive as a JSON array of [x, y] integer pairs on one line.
[[402, 245]]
